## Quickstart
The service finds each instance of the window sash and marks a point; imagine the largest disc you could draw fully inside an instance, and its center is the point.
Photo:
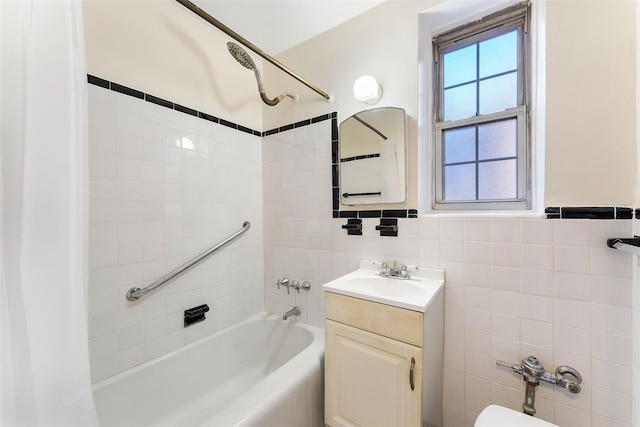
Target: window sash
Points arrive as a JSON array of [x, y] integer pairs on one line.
[[514, 17], [521, 201]]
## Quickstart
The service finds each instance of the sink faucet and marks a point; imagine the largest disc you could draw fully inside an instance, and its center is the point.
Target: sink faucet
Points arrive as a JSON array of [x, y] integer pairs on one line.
[[396, 271], [295, 311]]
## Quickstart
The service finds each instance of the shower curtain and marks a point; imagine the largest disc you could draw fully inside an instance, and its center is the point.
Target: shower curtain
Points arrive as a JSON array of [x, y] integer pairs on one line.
[[45, 379]]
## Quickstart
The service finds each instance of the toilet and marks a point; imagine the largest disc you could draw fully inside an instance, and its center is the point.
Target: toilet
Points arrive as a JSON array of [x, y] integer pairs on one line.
[[499, 416]]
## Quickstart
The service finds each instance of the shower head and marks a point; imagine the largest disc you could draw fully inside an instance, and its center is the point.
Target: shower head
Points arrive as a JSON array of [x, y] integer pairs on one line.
[[245, 60], [241, 56]]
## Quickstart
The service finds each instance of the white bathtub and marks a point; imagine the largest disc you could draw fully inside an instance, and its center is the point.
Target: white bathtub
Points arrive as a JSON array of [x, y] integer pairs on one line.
[[261, 372]]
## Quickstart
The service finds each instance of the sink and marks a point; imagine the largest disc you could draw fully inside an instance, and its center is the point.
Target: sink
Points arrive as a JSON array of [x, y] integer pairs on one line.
[[366, 283], [386, 287]]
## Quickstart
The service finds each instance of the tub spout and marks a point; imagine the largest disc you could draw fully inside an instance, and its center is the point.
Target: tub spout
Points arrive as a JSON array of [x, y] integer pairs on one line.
[[295, 311]]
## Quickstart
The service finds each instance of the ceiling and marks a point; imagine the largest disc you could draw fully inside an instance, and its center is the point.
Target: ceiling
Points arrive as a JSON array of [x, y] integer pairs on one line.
[[277, 25]]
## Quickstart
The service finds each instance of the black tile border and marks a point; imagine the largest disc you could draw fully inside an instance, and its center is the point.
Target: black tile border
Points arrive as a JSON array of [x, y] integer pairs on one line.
[[106, 84], [592, 212], [333, 116]]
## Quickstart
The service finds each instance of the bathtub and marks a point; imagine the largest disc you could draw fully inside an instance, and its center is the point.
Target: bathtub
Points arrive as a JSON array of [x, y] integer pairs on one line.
[[260, 372]]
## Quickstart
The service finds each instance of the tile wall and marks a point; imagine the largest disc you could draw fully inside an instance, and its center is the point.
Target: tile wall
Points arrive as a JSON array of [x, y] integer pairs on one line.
[[165, 186], [515, 287]]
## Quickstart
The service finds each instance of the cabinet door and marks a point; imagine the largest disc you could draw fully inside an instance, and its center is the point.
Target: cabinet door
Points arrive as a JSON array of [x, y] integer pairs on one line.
[[367, 379]]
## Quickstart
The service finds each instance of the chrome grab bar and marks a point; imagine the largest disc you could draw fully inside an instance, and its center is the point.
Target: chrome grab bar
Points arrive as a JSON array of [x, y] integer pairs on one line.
[[134, 293]]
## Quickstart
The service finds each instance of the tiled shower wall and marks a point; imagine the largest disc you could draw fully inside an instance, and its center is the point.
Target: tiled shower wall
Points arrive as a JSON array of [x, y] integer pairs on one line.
[[514, 287], [164, 187]]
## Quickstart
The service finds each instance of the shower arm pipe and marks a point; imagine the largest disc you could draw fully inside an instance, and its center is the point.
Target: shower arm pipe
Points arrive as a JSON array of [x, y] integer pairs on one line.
[[228, 31], [134, 293]]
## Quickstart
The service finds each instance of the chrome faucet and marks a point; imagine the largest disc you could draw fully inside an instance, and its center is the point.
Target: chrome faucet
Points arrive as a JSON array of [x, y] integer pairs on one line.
[[295, 311], [532, 372], [396, 271]]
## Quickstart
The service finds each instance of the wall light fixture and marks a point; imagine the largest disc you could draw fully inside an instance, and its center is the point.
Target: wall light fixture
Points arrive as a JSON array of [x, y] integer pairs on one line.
[[367, 89]]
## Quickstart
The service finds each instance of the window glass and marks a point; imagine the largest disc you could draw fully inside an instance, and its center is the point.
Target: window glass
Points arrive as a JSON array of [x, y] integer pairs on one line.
[[498, 93], [460, 102], [460, 66], [459, 145], [499, 54], [497, 139], [481, 116], [460, 182], [497, 180]]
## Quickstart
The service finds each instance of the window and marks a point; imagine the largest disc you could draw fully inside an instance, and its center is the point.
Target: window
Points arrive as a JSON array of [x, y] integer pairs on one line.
[[481, 113]]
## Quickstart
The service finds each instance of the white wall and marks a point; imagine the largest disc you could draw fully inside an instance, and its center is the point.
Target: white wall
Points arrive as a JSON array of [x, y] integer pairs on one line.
[[161, 48], [590, 93]]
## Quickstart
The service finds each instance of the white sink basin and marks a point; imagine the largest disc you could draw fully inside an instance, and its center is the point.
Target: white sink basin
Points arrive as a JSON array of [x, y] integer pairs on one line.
[[366, 283]]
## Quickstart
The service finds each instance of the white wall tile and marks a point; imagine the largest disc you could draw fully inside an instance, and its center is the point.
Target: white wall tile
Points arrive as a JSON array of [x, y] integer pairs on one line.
[[153, 202], [514, 286]]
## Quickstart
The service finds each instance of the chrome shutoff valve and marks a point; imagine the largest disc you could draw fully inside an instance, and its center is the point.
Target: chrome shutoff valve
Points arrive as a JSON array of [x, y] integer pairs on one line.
[[532, 372]]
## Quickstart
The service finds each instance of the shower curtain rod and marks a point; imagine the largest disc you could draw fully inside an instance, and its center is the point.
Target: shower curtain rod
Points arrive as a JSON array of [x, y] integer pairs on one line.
[[228, 31]]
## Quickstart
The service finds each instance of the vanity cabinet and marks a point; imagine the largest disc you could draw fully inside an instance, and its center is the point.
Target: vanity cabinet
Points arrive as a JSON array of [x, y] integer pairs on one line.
[[375, 363]]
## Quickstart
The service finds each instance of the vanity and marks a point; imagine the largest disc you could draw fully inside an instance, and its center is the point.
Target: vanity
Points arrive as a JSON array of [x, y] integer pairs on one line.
[[384, 346]]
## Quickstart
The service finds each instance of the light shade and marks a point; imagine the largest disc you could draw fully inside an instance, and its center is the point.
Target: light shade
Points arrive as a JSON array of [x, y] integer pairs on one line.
[[367, 89]]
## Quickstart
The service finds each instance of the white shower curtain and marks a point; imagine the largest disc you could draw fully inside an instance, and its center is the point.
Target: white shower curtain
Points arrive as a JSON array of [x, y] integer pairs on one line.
[[45, 379]]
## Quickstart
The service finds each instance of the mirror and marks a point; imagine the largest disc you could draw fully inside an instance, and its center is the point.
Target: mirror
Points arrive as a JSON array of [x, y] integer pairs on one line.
[[372, 157]]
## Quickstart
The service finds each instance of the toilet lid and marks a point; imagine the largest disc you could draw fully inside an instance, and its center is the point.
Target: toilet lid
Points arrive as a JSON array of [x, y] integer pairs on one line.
[[499, 416]]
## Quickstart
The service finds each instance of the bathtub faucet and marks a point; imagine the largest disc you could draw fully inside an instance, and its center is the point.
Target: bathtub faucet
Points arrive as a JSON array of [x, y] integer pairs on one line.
[[295, 311]]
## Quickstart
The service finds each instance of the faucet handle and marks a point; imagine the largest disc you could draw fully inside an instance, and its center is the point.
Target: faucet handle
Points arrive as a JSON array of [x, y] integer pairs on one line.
[[515, 368], [283, 282], [295, 285]]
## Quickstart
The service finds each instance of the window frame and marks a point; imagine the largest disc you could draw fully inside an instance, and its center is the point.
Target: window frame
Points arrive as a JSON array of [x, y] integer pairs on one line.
[[518, 17]]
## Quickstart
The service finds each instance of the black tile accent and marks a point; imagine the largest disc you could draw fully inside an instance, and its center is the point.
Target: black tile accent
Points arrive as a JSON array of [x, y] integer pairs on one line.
[[336, 198], [165, 103], [334, 115], [186, 110], [394, 213], [334, 176], [208, 117], [227, 123], [637, 213], [552, 212], [127, 90], [285, 128], [98, 81], [624, 213], [270, 132], [245, 129], [588, 212], [388, 227], [348, 214], [334, 129], [158, 101], [302, 123], [336, 214], [320, 118], [334, 152], [412, 212], [370, 214], [353, 227]]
